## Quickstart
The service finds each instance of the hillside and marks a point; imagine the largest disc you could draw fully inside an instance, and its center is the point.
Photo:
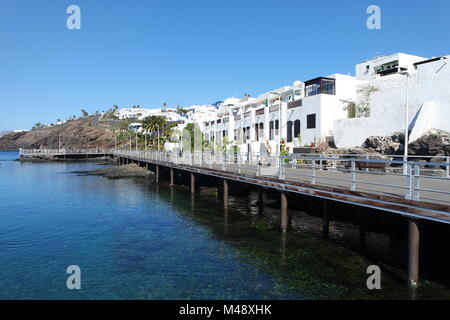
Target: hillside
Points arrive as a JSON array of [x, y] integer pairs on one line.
[[77, 134]]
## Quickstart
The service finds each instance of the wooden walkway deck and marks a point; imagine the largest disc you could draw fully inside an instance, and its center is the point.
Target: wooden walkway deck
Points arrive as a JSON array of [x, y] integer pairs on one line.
[[386, 194]]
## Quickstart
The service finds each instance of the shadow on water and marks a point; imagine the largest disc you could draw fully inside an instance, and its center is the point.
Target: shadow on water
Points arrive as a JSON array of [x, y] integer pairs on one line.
[[304, 260]]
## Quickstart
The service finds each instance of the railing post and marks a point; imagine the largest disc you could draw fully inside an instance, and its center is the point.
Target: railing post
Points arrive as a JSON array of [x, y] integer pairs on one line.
[[353, 187], [405, 165], [258, 168], [321, 161], [416, 182], [239, 160], [447, 168], [313, 178], [409, 183], [223, 162], [367, 169], [282, 175]]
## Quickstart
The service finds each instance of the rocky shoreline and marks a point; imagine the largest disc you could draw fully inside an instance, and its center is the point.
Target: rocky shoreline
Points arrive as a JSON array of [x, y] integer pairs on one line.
[[47, 158], [119, 172]]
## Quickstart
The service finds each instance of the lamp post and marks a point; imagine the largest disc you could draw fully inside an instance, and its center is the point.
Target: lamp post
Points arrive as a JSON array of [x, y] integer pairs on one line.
[[405, 157], [136, 141], [279, 121]]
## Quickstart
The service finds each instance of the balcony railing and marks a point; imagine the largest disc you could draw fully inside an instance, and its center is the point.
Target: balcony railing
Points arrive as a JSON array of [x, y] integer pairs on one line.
[[295, 104]]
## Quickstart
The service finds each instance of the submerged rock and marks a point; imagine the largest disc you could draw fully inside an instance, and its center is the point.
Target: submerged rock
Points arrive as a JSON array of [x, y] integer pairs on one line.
[[117, 172]]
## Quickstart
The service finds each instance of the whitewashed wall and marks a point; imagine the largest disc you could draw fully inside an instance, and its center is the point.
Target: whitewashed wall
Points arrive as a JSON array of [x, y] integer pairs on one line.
[[429, 83]]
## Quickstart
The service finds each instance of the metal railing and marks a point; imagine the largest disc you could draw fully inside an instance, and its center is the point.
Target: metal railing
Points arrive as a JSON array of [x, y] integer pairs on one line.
[[56, 152], [419, 183]]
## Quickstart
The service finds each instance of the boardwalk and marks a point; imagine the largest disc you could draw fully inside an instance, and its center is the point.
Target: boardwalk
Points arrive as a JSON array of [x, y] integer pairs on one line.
[[412, 195]]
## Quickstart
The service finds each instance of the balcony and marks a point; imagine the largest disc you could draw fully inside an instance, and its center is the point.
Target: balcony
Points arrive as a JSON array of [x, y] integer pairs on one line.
[[294, 104], [320, 86], [391, 71]]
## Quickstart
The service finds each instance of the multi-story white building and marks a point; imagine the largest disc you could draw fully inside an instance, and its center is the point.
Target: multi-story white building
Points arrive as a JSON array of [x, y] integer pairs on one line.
[[399, 79], [308, 113], [301, 114]]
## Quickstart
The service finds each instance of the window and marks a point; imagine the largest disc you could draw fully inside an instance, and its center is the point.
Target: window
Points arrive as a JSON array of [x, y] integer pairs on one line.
[[312, 90], [320, 85], [311, 121], [296, 128], [248, 133], [257, 131], [261, 131], [289, 131], [277, 127], [328, 86]]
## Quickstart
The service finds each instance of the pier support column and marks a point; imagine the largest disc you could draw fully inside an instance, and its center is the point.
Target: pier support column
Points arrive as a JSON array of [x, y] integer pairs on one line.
[[220, 189], [225, 193], [171, 178], [260, 200], [284, 212], [192, 183], [157, 174], [413, 253], [325, 219]]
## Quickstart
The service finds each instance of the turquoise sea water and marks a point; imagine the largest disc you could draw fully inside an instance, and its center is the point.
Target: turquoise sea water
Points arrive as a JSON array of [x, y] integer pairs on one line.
[[128, 241], [134, 239]]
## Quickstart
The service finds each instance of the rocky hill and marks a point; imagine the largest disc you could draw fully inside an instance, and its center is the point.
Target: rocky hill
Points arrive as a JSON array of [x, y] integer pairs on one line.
[[77, 134]]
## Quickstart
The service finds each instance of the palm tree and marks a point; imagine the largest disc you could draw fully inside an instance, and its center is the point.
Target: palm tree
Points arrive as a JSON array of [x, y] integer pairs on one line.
[[155, 123]]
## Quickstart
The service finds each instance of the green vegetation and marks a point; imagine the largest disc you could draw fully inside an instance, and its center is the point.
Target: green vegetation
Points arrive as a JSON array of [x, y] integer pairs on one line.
[[37, 126], [84, 113], [360, 109]]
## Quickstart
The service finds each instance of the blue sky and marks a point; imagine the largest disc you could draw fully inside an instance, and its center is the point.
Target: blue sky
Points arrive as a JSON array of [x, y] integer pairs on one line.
[[146, 52]]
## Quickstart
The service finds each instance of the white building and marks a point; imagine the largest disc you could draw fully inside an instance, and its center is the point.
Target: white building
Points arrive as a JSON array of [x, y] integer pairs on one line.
[[308, 113], [428, 95], [301, 114]]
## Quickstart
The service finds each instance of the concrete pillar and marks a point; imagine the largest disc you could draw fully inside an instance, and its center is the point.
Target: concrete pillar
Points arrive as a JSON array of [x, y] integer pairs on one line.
[[225, 193], [325, 218], [220, 189], [157, 174], [284, 212], [413, 253], [192, 183], [171, 177], [260, 200]]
